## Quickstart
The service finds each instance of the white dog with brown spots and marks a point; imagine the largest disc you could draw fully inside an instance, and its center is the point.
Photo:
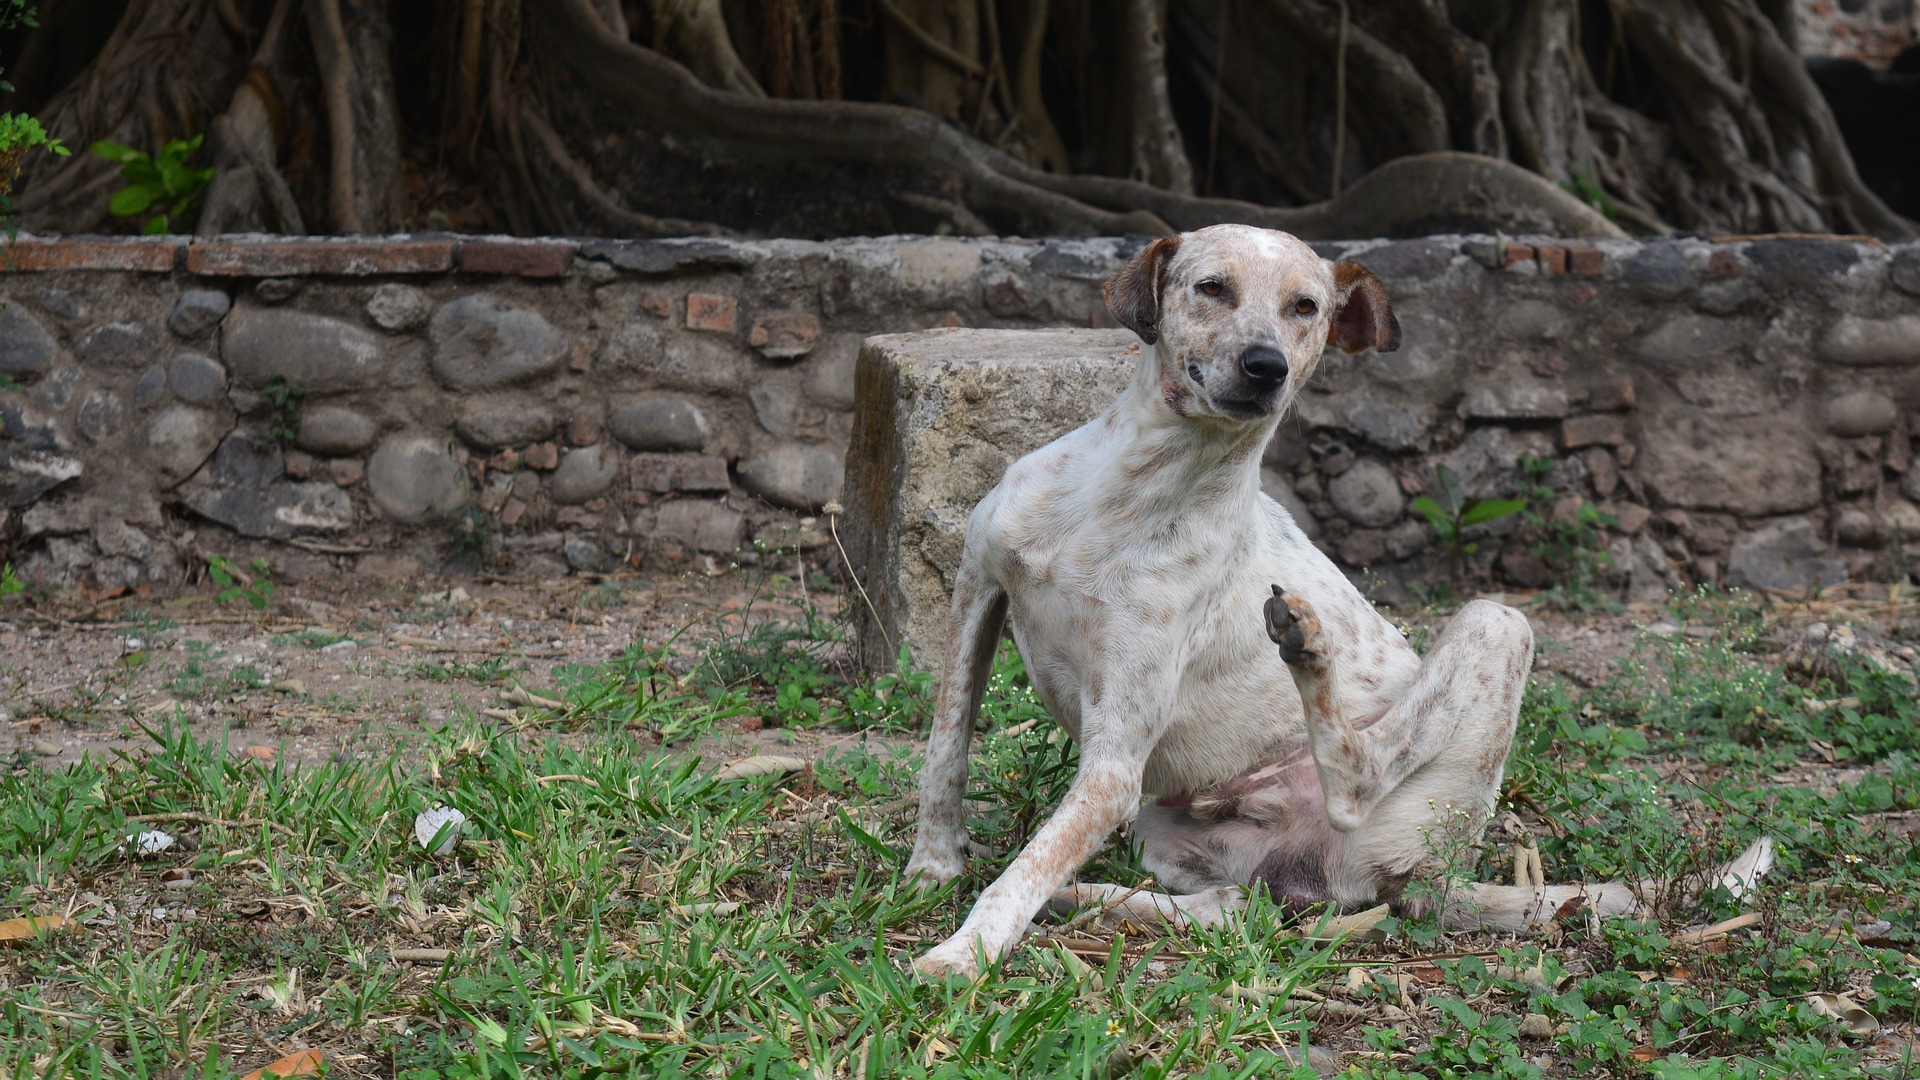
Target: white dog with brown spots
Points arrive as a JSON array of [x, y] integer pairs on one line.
[[1134, 555]]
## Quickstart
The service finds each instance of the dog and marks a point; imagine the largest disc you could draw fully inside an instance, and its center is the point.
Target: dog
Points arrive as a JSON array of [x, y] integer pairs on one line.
[[1135, 556]]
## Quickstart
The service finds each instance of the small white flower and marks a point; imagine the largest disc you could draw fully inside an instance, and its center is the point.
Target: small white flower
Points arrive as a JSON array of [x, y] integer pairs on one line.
[[428, 824]]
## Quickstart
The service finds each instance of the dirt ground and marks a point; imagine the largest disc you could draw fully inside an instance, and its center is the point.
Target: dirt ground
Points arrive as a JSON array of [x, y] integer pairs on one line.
[[337, 668], [342, 667]]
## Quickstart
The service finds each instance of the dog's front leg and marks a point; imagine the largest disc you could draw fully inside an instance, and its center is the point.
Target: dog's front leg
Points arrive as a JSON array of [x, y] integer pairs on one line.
[[973, 632], [1105, 793]]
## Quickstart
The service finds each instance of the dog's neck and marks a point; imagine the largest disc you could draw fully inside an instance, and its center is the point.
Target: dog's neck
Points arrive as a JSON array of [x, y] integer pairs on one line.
[[1178, 462]]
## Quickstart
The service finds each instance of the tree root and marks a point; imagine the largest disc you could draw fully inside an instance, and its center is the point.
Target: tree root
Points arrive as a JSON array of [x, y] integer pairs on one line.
[[248, 193], [1440, 187], [1702, 116], [608, 215], [152, 81]]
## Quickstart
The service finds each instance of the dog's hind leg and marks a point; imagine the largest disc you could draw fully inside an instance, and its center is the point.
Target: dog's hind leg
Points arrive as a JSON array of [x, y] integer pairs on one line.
[[1519, 908], [1450, 729], [1144, 907], [1416, 786]]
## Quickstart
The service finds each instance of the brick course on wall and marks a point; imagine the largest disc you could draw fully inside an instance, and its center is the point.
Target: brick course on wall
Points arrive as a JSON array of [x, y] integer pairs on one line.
[[1744, 409]]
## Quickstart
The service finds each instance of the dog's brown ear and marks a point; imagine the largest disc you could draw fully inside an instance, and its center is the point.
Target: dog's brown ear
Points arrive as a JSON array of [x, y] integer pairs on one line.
[[1364, 319], [1133, 294]]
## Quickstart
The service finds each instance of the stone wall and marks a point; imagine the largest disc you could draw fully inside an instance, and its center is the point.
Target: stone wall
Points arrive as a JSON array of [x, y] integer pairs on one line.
[[562, 404], [1744, 409], [1871, 31]]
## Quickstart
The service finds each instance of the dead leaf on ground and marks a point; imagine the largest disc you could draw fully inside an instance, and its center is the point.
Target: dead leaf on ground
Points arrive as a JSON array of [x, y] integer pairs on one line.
[[1846, 1010], [759, 765], [527, 699], [20, 931], [1360, 926], [300, 1063]]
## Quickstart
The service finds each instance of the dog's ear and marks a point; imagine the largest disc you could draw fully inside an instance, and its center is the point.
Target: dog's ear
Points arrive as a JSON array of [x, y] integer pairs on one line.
[[1363, 318], [1133, 294]]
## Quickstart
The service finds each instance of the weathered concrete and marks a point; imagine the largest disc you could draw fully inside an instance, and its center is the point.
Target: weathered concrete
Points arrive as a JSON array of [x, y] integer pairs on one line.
[[938, 418]]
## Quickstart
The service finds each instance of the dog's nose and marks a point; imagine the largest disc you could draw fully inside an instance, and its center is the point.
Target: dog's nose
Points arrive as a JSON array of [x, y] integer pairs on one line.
[[1263, 366]]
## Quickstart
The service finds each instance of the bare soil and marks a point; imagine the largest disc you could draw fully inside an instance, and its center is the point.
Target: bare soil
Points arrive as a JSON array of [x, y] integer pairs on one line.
[[341, 667]]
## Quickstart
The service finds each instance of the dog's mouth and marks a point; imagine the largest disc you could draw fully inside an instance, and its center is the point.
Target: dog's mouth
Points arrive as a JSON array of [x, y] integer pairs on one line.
[[1251, 408]]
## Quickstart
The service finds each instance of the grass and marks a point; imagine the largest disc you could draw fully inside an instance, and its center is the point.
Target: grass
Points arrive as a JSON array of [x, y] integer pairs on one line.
[[612, 910]]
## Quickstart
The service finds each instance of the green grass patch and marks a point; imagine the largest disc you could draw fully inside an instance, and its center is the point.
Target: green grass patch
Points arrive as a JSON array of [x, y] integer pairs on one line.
[[611, 910]]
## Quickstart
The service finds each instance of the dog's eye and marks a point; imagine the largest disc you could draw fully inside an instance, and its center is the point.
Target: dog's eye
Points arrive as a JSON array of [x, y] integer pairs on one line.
[[1304, 306], [1211, 288]]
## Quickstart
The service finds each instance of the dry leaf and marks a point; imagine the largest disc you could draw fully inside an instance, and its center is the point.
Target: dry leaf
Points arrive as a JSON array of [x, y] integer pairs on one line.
[[759, 765], [19, 931], [1844, 1009], [524, 698], [300, 1063], [260, 753], [1360, 926]]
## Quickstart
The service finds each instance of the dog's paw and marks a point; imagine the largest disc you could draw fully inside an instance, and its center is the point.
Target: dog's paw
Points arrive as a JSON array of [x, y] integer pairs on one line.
[[952, 959], [1292, 625], [930, 871]]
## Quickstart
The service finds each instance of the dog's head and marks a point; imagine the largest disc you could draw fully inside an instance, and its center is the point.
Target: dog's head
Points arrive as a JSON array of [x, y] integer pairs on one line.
[[1240, 316]]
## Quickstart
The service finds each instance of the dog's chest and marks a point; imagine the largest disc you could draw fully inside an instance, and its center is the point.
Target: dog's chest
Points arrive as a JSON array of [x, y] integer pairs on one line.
[[1094, 611]]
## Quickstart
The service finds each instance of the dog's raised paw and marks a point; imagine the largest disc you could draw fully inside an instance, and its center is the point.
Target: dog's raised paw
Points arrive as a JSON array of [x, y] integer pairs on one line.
[[1292, 626]]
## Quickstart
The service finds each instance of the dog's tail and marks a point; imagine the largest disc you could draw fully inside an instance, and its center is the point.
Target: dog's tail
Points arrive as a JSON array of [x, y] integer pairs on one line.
[[1525, 908]]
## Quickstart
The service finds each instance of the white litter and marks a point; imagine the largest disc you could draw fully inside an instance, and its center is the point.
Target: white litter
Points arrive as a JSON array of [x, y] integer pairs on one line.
[[427, 826], [151, 842]]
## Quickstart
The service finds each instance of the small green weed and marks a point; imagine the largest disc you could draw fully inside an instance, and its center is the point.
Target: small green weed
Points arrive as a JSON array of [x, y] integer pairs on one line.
[[1570, 546], [1585, 186], [1452, 518], [283, 403], [165, 185], [484, 672], [255, 586], [19, 133], [197, 679]]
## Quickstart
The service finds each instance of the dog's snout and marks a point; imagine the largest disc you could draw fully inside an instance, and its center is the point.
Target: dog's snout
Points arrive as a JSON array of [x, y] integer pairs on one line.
[[1263, 365]]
